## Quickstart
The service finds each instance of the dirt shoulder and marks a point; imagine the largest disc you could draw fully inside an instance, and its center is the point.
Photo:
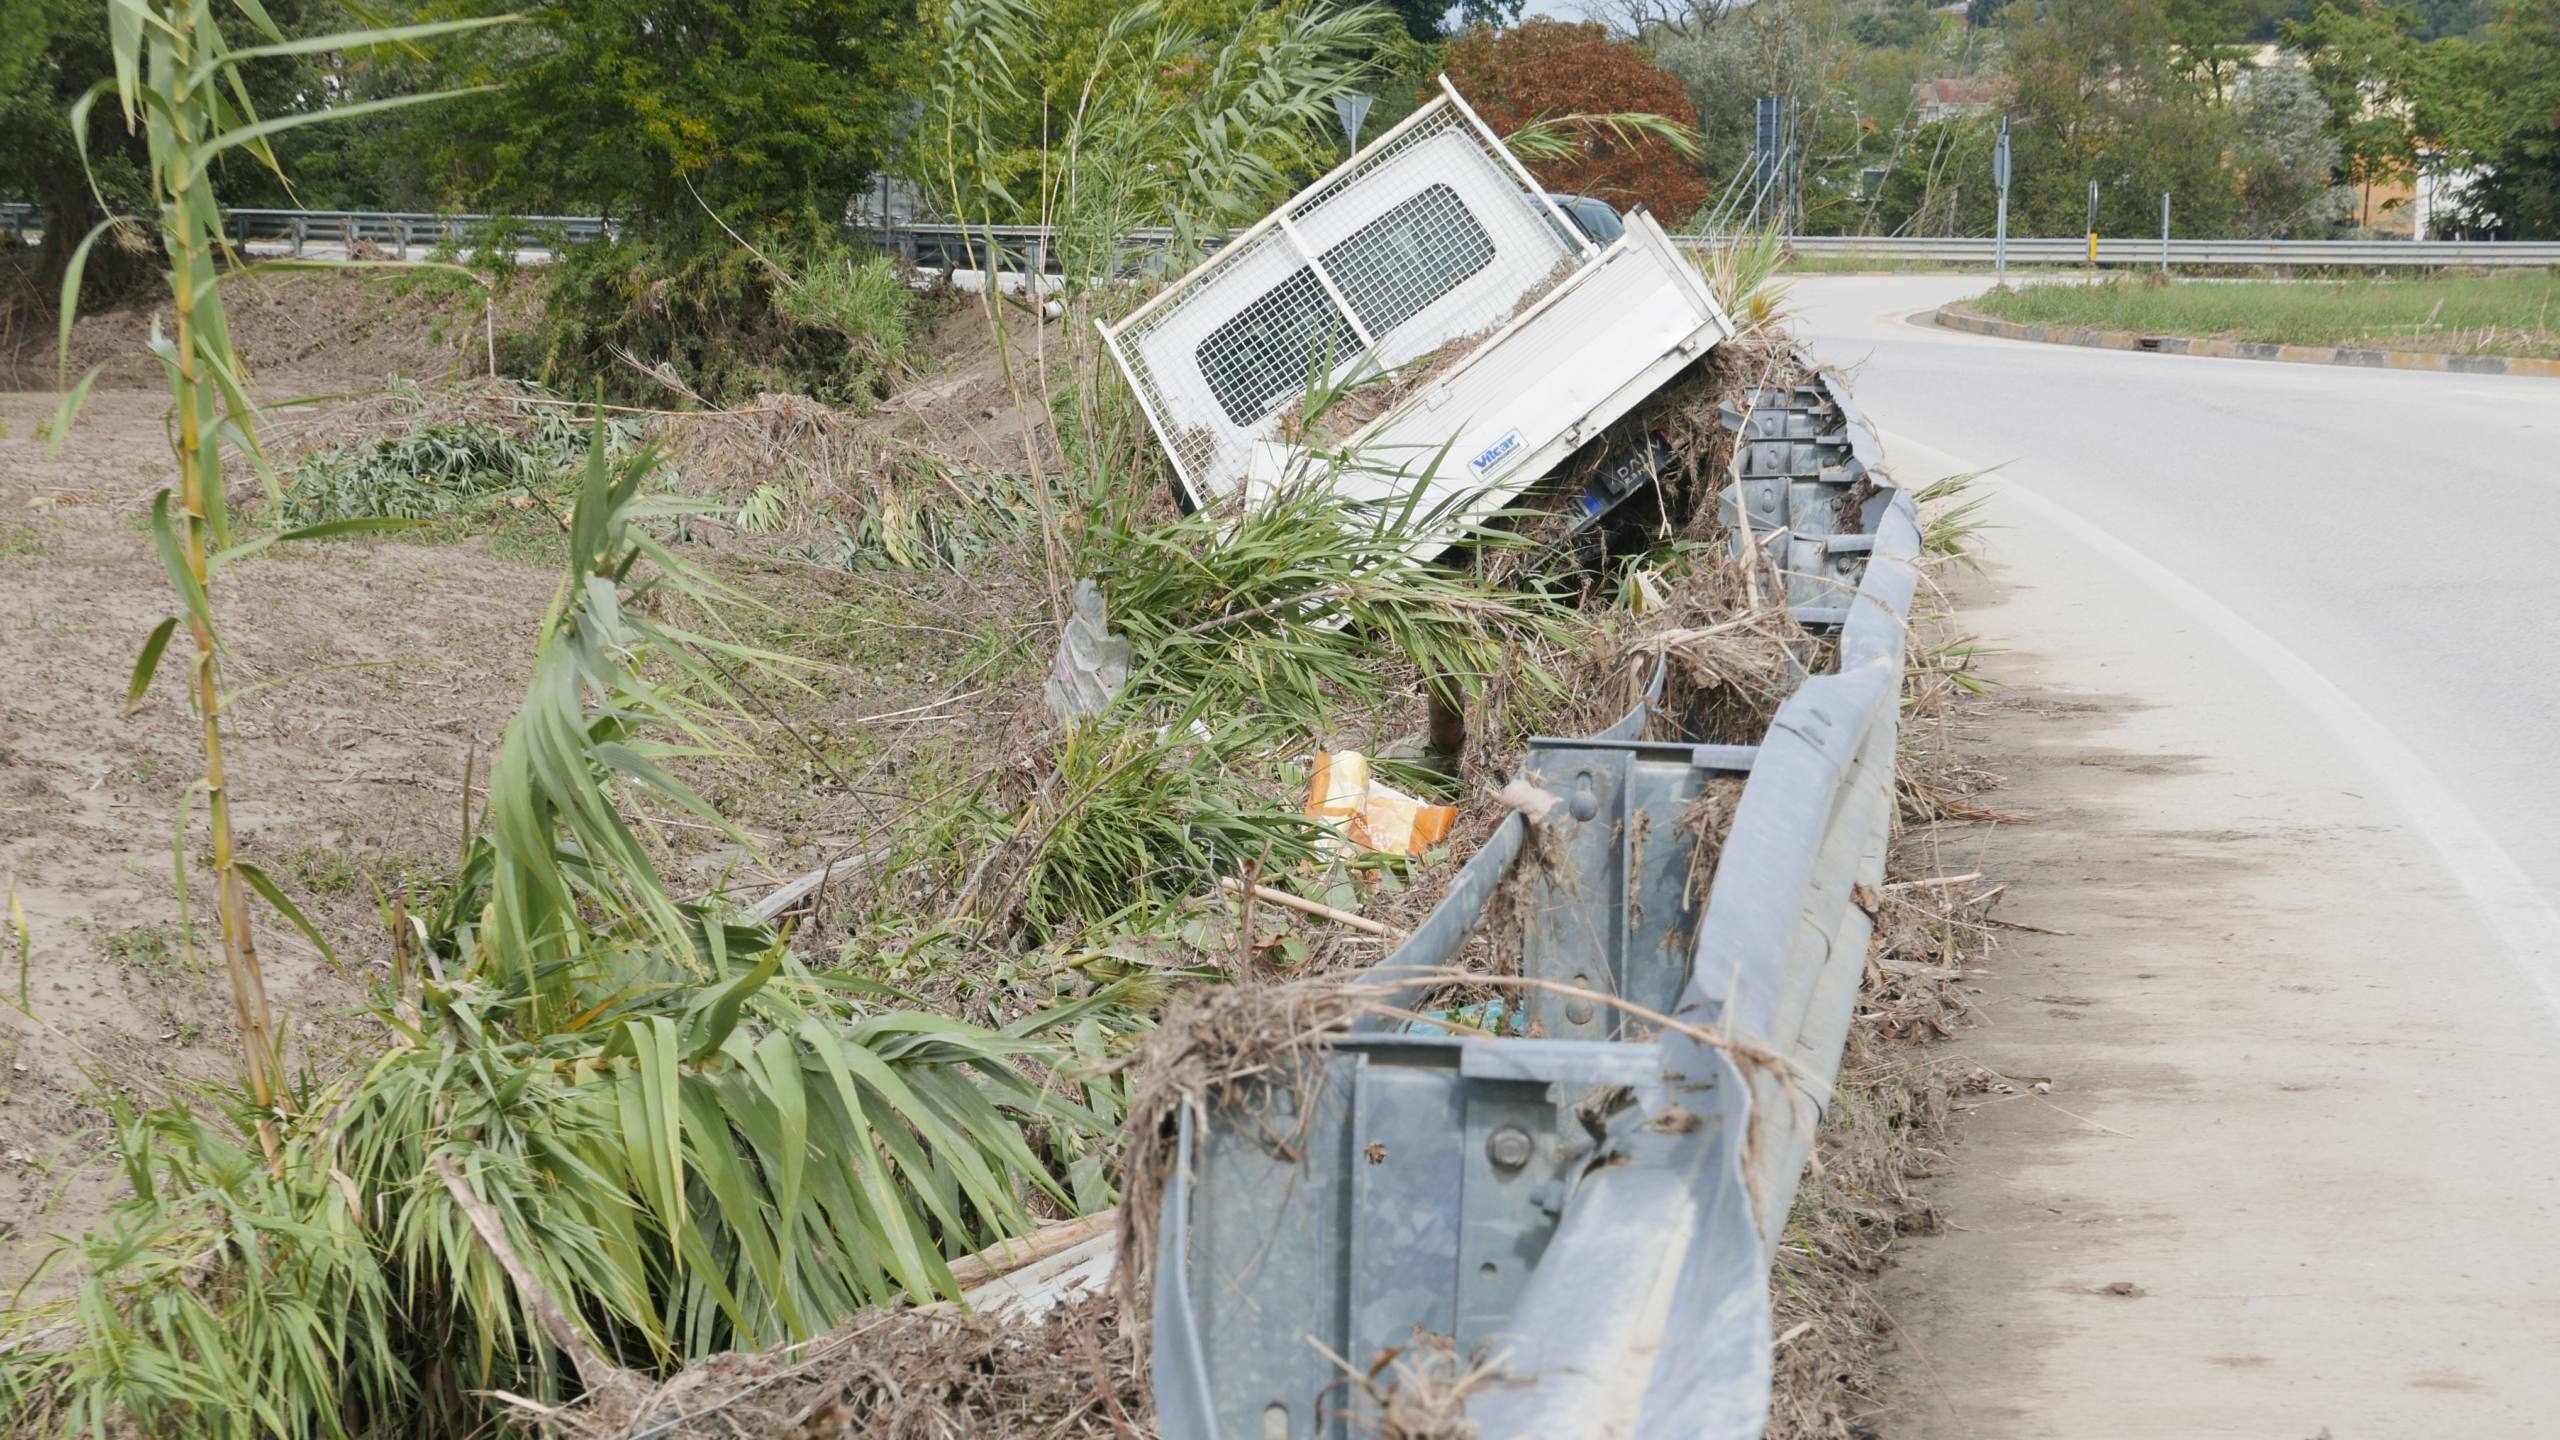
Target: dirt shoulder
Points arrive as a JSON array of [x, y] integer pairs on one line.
[[374, 675], [2292, 1174], [383, 666]]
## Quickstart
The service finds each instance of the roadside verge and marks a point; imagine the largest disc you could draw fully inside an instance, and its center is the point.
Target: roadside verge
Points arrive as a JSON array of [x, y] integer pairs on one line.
[[1956, 317]]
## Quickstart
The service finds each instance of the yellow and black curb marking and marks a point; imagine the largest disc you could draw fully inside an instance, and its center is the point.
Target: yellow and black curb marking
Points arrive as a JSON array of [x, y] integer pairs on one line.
[[1957, 318]]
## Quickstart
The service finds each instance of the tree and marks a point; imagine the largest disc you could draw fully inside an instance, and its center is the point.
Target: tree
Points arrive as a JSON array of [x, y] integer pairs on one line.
[[2099, 99], [2360, 61], [2287, 158], [2207, 38], [1424, 20], [771, 112], [1543, 69], [2520, 158], [51, 53]]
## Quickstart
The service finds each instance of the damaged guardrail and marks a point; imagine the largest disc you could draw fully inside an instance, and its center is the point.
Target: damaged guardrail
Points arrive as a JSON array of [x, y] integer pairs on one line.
[[1593, 1206]]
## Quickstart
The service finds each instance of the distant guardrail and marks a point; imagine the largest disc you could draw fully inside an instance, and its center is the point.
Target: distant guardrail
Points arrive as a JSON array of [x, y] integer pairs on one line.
[[400, 232], [403, 231], [945, 246], [2190, 254]]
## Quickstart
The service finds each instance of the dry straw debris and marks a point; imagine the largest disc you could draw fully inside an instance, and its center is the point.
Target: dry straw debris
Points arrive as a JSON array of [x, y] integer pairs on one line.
[[922, 1374]]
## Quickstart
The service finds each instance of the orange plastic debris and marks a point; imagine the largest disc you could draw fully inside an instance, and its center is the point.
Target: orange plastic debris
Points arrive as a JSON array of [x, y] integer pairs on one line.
[[1365, 815]]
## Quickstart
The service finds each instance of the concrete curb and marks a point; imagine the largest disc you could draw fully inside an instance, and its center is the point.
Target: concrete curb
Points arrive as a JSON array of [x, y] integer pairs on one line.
[[1956, 318]]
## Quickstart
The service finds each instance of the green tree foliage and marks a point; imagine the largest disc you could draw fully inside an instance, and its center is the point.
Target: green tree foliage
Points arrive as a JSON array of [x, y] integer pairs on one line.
[[729, 139], [2287, 157], [51, 53], [2520, 158], [2099, 97], [2363, 61], [1191, 112], [2211, 40], [770, 111], [2450, 104], [1427, 20]]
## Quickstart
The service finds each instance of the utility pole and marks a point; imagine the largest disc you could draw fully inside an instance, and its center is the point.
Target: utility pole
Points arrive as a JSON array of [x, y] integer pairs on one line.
[[2000, 181]]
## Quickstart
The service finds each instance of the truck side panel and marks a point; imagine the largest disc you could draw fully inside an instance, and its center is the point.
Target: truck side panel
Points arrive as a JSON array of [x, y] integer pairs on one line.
[[1529, 397]]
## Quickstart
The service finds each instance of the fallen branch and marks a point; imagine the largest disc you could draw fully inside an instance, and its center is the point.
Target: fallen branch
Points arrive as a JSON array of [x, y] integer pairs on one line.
[[597, 1373], [1361, 923], [1006, 1256]]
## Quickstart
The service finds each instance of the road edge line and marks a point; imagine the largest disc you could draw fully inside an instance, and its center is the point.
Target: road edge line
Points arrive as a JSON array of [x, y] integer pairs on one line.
[[2507, 901]]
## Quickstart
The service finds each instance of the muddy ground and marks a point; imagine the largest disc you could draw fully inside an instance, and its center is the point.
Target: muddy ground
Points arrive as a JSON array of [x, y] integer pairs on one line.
[[374, 676]]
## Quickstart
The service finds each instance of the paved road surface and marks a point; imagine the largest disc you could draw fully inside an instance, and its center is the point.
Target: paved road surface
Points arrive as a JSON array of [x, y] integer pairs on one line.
[[2280, 698]]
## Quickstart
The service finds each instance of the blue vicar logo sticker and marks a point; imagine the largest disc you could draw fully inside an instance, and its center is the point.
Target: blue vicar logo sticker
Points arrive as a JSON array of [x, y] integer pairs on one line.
[[1494, 454]]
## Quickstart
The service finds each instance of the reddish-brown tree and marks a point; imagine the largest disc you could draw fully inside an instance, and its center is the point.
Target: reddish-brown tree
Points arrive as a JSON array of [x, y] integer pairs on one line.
[[1541, 69]]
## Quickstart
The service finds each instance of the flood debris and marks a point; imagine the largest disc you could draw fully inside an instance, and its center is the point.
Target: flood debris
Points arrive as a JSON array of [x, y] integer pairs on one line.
[[935, 1373], [1365, 815], [1092, 663]]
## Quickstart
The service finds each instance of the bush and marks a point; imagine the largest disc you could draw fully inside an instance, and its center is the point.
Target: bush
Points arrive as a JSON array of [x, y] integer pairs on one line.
[[657, 325]]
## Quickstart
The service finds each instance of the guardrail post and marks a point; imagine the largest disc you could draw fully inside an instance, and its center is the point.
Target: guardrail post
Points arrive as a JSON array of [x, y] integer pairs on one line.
[[299, 231]]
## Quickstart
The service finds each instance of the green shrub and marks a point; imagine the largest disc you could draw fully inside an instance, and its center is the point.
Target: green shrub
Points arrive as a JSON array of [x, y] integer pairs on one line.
[[659, 325], [1141, 816]]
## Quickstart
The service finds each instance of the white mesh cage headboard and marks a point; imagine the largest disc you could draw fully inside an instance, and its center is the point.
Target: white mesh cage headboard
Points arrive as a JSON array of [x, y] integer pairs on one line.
[[1431, 232]]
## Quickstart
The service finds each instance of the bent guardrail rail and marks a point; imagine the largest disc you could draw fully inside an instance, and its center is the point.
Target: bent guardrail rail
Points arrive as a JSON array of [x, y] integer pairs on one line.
[[1594, 1207]]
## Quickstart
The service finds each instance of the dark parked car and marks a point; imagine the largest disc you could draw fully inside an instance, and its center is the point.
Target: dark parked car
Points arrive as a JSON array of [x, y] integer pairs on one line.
[[1597, 221]]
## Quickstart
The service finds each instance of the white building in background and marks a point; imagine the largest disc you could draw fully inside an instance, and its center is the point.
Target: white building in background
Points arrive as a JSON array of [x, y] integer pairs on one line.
[[2438, 196]]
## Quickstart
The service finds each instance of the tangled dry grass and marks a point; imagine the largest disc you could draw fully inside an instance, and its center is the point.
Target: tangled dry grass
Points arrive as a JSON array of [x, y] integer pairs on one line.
[[1073, 1373]]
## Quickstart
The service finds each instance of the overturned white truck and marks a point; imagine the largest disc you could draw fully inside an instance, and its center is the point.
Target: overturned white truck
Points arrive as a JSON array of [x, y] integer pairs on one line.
[[1433, 268]]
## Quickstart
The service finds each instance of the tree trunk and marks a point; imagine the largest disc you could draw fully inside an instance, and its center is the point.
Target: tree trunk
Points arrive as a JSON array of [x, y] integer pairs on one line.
[[120, 264]]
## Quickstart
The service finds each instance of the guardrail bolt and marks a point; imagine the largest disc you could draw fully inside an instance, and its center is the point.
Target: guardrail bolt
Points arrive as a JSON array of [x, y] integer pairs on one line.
[[1509, 1148], [1586, 801], [1580, 1011]]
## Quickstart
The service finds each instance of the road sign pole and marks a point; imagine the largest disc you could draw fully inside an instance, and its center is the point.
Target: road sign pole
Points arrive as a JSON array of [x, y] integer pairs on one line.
[[2093, 227], [2000, 182], [1351, 110], [2164, 232]]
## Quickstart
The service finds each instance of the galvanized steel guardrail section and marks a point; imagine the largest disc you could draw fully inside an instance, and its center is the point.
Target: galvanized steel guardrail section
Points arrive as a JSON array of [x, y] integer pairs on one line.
[[2194, 254], [1598, 1203], [399, 231]]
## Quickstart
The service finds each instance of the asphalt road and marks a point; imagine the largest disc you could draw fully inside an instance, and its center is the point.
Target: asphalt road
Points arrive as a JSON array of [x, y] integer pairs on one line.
[[2389, 528], [2275, 638]]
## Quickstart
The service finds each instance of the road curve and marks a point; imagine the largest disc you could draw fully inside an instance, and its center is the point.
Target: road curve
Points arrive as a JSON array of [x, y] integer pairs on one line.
[[2274, 643], [2390, 528]]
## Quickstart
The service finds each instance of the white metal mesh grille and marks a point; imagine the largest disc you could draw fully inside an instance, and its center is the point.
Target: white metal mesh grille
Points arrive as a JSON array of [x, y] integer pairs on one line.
[[1429, 235]]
